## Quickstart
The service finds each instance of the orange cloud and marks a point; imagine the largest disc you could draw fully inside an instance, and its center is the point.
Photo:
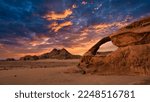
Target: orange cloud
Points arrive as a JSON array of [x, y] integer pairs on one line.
[[56, 27], [58, 16], [40, 41], [103, 28], [108, 25]]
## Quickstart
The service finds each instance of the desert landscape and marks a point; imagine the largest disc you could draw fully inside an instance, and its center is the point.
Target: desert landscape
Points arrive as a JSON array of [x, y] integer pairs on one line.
[[74, 42], [59, 72], [129, 64]]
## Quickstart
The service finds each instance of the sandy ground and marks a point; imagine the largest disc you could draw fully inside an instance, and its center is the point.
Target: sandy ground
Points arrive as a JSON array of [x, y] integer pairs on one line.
[[52, 72]]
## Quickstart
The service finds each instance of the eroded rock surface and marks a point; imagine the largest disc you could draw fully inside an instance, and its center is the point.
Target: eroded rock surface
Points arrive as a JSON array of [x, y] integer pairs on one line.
[[132, 56]]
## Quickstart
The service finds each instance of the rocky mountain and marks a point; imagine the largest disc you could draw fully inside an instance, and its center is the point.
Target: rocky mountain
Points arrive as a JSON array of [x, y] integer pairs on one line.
[[59, 54], [54, 54]]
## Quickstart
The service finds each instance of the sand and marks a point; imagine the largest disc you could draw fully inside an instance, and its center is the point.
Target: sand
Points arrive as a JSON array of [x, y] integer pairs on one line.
[[58, 72]]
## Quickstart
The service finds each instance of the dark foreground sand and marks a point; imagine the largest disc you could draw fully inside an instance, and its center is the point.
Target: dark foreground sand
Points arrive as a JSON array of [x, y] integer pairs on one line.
[[58, 72]]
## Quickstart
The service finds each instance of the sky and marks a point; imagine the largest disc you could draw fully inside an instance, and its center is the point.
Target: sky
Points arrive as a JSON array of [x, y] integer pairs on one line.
[[33, 27]]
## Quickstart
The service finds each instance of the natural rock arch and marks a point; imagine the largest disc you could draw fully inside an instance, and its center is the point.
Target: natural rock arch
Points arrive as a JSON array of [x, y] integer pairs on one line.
[[137, 33]]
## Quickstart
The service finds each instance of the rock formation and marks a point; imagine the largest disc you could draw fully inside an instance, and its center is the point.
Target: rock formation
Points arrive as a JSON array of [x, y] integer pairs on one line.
[[59, 54], [54, 54], [10, 59], [131, 57], [29, 57]]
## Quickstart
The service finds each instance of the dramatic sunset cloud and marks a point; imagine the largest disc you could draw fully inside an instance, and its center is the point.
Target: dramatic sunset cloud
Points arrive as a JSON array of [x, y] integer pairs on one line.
[[37, 26], [58, 16], [39, 42], [56, 27]]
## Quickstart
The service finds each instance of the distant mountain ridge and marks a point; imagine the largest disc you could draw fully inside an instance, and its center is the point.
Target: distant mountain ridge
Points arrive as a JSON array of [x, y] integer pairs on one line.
[[54, 54]]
